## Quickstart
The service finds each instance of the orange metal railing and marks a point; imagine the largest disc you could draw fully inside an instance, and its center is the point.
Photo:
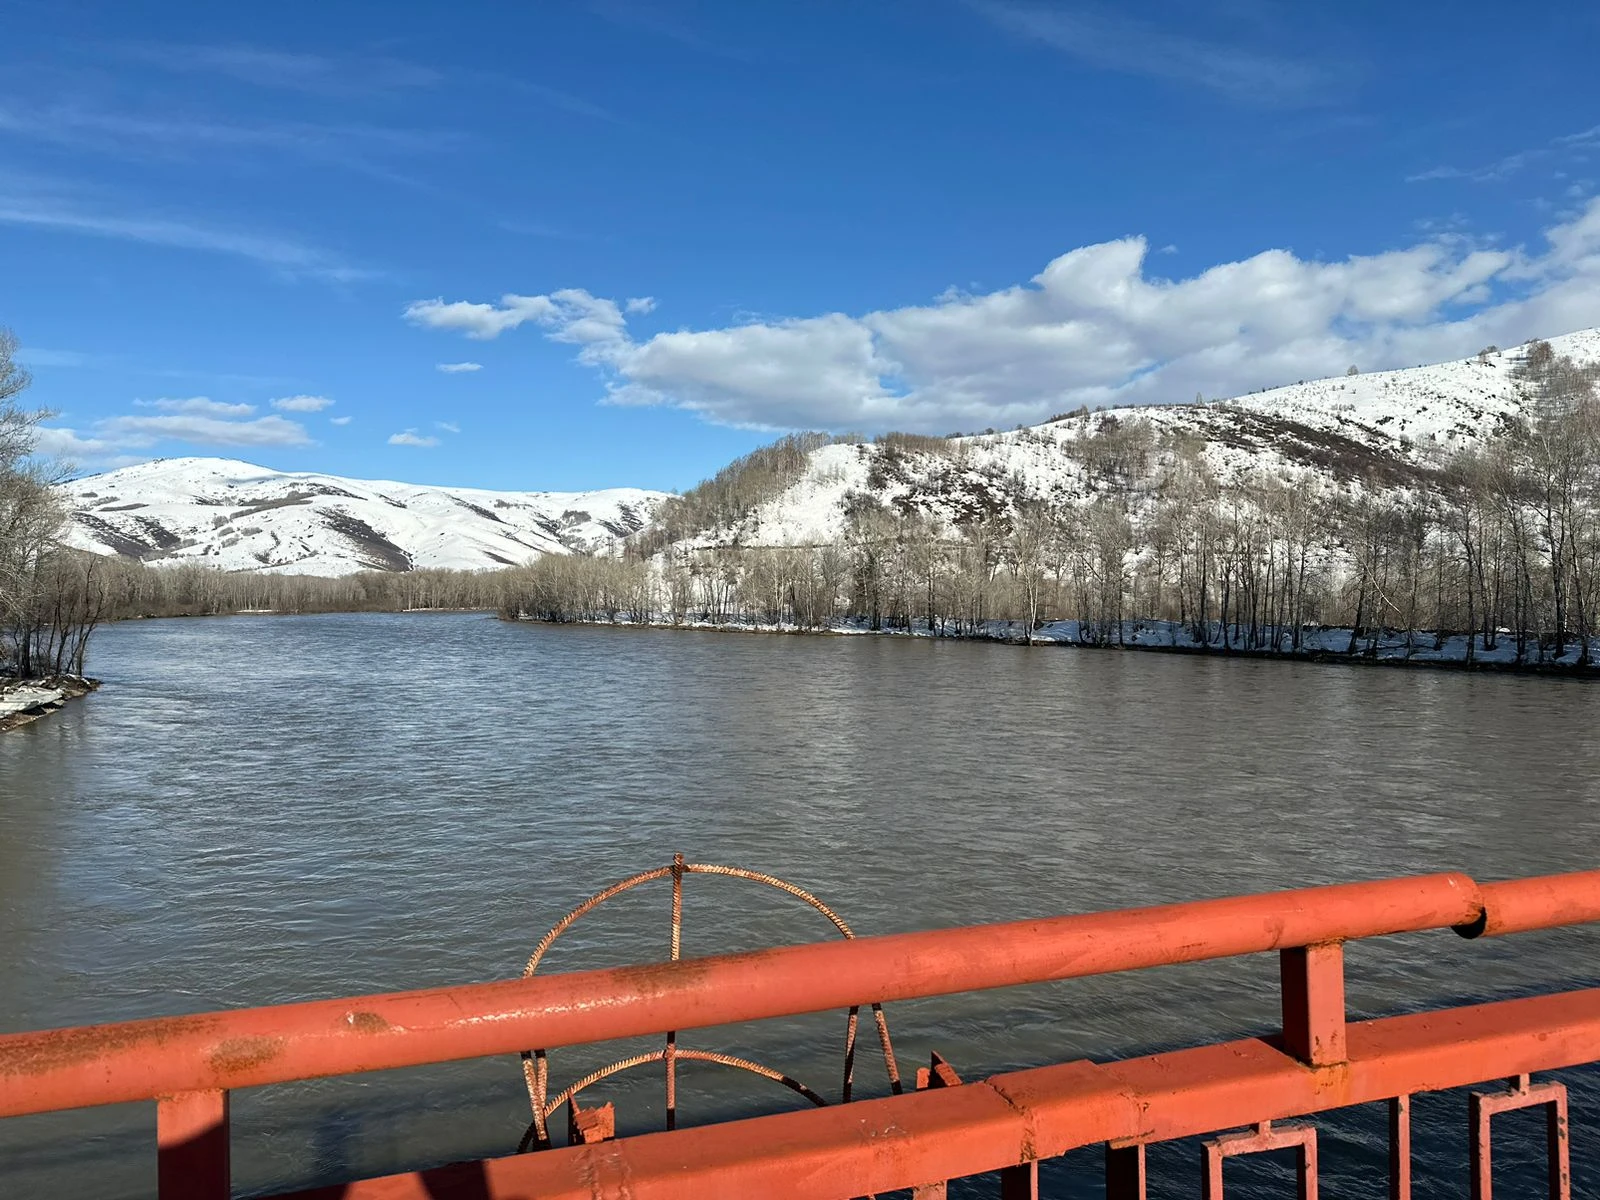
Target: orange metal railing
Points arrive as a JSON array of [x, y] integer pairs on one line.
[[1006, 1123]]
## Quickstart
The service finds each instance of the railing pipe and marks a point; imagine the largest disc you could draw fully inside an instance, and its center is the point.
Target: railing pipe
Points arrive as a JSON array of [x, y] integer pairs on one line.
[[1544, 902], [891, 1143], [140, 1060]]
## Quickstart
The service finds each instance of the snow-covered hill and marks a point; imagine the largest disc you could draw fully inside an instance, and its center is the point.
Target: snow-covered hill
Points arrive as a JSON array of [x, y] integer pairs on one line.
[[1392, 428], [242, 517]]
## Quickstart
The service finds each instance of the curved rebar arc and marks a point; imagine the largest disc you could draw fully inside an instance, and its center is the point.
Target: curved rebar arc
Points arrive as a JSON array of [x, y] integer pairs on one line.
[[588, 906], [783, 885], [537, 1132], [535, 1064], [710, 1056], [536, 1070]]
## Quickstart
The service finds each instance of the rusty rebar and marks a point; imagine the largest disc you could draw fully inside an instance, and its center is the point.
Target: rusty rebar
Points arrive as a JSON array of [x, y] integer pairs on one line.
[[535, 1063]]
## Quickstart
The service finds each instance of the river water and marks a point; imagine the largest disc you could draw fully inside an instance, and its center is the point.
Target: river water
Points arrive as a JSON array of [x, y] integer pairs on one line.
[[259, 810]]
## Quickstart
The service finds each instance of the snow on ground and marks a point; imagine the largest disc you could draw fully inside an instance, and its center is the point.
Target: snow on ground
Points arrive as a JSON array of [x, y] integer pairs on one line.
[[22, 697], [242, 517], [1332, 642]]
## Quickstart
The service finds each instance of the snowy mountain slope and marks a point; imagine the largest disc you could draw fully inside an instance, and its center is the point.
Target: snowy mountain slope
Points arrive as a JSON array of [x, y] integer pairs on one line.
[[1391, 428], [242, 517]]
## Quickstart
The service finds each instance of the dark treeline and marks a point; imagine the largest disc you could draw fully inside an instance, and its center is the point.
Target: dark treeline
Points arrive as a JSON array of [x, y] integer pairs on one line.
[[1501, 541], [133, 589]]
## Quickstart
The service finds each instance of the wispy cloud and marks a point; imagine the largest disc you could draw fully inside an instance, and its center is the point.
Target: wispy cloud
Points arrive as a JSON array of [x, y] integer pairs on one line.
[[652, 19], [447, 426], [1509, 165], [267, 67], [546, 97], [36, 356], [130, 133], [411, 437], [460, 368], [1110, 40], [339, 420], [36, 208], [302, 404], [537, 229]]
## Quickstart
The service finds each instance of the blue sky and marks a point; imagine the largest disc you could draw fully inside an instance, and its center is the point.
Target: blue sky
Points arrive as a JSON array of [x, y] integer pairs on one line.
[[663, 231]]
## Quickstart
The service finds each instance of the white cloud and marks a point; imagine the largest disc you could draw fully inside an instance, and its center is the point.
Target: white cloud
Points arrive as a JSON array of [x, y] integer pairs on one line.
[[447, 426], [339, 420], [198, 406], [571, 315], [411, 437], [302, 404], [58, 442], [139, 432], [640, 305], [1094, 327], [458, 368], [480, 321], [120, 440]]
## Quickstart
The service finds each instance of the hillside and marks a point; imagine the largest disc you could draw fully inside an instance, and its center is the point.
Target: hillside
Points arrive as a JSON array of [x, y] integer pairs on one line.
[[1389, 429], [1392, 429], [242, 517]]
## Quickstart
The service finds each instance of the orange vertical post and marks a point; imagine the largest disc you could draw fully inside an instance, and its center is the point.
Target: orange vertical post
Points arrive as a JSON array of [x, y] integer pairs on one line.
[[192, 1146], [939, 1074], [1302, 1139], [1400, 1148], [1522, 1093], [1313, 1003]]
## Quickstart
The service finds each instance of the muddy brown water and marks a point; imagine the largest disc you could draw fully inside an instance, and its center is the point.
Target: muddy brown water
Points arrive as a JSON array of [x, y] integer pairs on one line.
[[258, 810]]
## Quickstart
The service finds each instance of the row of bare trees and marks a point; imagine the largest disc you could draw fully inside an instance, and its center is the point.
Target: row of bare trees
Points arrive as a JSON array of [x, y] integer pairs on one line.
[[1500, 542], [51, 599], [133, 589]]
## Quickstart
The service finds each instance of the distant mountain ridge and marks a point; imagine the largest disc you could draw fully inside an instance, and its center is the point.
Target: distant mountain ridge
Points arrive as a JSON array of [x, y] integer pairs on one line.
[[242, 517]]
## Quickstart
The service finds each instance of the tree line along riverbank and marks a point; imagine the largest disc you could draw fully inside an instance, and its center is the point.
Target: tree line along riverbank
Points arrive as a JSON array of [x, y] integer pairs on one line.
[[1499, 539]]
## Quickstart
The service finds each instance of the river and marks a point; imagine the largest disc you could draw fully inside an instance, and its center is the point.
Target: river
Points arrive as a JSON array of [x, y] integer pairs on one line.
[[263, 809]]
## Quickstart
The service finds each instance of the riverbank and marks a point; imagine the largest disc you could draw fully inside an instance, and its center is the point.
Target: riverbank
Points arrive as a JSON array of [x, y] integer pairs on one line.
[[23, 701], [1318, 644]]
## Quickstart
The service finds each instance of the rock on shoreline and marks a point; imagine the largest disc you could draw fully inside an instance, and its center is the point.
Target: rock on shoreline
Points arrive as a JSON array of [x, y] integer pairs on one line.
[[25, 700]]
